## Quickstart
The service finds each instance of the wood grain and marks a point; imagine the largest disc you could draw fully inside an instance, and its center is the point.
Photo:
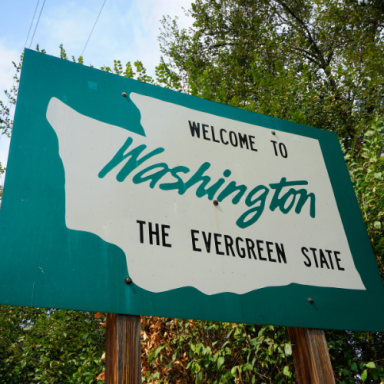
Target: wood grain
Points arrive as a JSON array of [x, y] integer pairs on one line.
[[311, 356], [122, 352]]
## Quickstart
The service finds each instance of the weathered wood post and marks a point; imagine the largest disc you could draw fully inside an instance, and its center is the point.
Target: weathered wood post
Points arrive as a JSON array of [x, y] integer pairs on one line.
[[311, 356], [122, 355]]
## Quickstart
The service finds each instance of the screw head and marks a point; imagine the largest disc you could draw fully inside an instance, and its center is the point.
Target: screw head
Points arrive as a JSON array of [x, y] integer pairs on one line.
[[310, 300], [273, 133], [128, 280], [215, 203], [124, 94]]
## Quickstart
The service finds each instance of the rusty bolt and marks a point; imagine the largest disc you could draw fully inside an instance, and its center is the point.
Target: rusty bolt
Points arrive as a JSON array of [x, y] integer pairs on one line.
[[124, 94], [215, 203], [310, 300], [128, 280], [273, 133]]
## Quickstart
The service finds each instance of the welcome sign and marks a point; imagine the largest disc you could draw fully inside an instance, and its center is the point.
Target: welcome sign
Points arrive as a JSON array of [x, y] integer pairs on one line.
[[213, 212]]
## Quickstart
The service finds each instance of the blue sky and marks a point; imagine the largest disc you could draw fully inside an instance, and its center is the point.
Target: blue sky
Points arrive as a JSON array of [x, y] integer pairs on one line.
[[127, 30]]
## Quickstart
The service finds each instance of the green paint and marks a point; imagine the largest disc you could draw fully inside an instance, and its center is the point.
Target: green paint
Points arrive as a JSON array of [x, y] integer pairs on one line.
[[179, 185], [133, 161], [257, 210], [154, 177], [231, 188], [280, 202], [199, 177]]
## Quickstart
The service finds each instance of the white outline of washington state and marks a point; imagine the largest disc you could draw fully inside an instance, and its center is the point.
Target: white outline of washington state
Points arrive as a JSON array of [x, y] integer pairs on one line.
[[110, 209]]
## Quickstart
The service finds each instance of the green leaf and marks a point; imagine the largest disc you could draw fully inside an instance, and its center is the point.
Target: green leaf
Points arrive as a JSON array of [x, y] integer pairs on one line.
[[354, 367], [288, 349], [248, 366], [286, 371], [158, 350], [364, 375], [220, 362], [377, 224], [371, 365]]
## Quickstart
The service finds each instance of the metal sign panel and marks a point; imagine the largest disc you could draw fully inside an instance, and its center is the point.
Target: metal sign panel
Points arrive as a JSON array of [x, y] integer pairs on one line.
[[213, 212]]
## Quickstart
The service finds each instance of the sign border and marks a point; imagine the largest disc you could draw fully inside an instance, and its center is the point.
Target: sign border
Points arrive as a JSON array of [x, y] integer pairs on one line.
[[35, 183]]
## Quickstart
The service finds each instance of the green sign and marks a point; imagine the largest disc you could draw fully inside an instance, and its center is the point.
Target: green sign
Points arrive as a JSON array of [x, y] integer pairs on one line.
[[212, 212]]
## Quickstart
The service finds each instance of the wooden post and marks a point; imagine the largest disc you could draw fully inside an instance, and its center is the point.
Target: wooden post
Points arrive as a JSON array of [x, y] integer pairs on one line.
[[311, 356], [122, 352]]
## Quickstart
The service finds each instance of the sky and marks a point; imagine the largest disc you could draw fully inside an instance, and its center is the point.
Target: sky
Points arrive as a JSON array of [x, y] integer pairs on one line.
[[126, 30]]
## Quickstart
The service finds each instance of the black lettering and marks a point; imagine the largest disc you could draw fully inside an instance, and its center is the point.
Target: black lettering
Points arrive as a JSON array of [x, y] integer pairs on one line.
[[221, 136], [141, 223], [250, 248], [314, 256], [194, 240], [306, 256], [207, 241], [269, 250], [280, 253], [323, 260], [274, 147], [243, 140], [164, 235], [251, 142], [337, 261], [330, 257], [194, 129], [228, 245], [283, 150], [205, 131], [155, 232], [242, 253], [259, 249], [213, 135], [217, 243], [233, 138]]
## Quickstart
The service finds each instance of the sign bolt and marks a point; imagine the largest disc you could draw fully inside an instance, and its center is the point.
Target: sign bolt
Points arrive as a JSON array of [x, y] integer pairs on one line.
[[128, 280], [215, 203], [273, 133], [124, 94], [310, 300]]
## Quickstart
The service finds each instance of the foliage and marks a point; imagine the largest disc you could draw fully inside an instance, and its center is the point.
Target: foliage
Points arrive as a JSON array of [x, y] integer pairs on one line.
[[315, 62], [6, 121], [367, 174], [2, 170], [49, 346], [189, 351]]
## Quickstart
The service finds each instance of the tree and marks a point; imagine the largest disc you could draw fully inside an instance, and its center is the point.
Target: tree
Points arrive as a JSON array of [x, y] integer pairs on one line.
[[314, 62], [49, 346]]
